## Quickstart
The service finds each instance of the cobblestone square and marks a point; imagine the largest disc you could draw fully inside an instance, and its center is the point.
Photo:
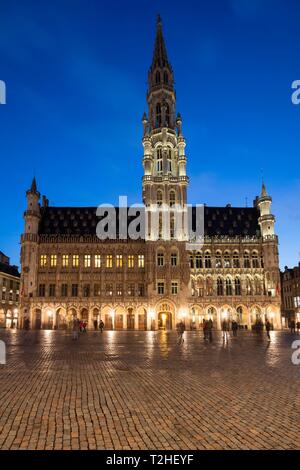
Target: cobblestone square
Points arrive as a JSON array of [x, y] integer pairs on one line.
[[141, 390]]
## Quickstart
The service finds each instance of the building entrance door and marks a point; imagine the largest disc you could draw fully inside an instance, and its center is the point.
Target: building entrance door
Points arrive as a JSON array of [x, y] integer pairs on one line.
[[130, 321], [164, 321]]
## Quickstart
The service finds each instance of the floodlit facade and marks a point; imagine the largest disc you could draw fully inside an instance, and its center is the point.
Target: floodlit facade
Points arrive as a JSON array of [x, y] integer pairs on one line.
[[152, 280]]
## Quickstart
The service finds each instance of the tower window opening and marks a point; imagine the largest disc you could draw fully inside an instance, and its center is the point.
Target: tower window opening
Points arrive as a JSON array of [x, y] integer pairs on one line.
[[158, 115], [157, 77], [166, 78]]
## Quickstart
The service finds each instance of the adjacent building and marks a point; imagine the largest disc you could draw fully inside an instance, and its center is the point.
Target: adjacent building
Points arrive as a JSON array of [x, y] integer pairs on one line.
[[290, 293], [9, 292], [152, 280]]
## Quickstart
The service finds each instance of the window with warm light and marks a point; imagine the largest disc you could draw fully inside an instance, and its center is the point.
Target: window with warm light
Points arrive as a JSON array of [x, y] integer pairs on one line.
[[109, 261], [97, 290], [53, 261], [130, 261], [119, 290], [119, 261], [65, 261], [141, 261], [43, 261], [87, 261], [109, 290], [97, 261], [75, 261]]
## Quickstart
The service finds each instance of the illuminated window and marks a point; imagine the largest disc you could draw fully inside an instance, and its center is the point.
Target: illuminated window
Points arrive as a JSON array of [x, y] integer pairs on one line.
[[109, 261], [97, 261], [75, 261], [218, 259], [65, 261], [227, 259], [119, 290], [141, 261], [43, 261], [53, 261], [174, 287], [97, 290], [109, 290], [130, 261], [130, 290], [119, 261], [87, 261]]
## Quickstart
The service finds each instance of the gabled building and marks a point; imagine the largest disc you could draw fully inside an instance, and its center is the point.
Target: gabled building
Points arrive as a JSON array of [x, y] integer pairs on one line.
[[9, 292], [160, 276]]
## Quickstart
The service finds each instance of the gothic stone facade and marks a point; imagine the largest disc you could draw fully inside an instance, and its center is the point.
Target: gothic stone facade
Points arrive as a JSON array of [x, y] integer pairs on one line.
[[153, 281]]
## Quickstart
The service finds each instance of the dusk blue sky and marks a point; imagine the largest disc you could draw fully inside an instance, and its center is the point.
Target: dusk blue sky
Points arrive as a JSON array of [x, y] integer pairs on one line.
[[76, 76]]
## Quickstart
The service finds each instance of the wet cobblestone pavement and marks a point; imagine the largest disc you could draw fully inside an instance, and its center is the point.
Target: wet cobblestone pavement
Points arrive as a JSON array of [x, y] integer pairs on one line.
[[140, 390]]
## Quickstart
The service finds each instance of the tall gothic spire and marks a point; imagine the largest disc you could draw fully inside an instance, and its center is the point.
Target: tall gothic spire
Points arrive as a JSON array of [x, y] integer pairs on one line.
[[160, 56]]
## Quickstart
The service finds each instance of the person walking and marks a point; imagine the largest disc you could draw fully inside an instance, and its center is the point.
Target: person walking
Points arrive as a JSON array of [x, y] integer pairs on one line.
[[180, 330], [225, 327], [234, 327], [101, 325], [210, 330], [298, 326], [268, 328], [293, 326]]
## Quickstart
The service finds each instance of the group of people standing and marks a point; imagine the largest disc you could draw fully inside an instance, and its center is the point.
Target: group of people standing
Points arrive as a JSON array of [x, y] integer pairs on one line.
[[80, 326]]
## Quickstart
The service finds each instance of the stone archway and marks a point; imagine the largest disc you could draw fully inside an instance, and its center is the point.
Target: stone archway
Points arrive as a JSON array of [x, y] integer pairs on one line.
[[61, 319], [165, 316], [37, 323]]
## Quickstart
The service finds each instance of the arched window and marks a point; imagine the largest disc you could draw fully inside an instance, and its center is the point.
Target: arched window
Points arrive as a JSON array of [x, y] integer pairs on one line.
[[157, 77], [166, 77], [159, 197], [220, 287], [158, 115], [236, 259], [218, 259], [208, 260], [192, 264], [198, 260], [239, 312], [227, 259], [246, 259], [160, 225], [237, 286], [228, 286], [159, 162], [172, 198], [255, 262]]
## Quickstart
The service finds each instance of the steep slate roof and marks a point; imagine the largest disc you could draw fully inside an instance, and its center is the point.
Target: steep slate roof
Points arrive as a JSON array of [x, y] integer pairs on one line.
[[8, 269], [222, 221]]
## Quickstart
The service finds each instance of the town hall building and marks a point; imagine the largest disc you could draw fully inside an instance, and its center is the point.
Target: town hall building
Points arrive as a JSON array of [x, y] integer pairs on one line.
[[159, 277]]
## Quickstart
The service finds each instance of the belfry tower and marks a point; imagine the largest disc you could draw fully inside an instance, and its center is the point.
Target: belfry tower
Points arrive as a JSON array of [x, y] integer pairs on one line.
[[165, 181]]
